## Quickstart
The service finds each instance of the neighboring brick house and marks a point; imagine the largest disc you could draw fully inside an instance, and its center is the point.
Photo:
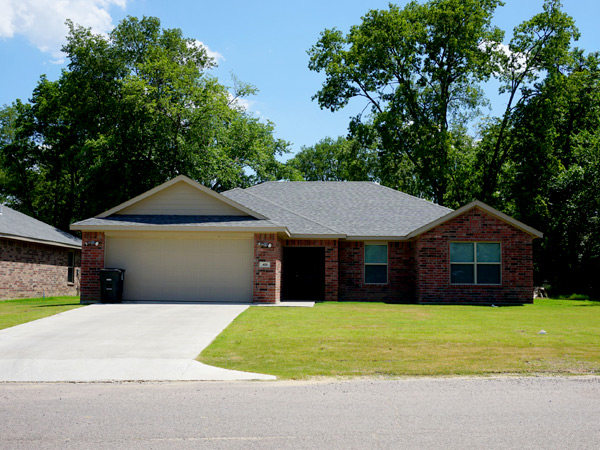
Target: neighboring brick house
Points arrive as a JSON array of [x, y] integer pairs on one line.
[[347, 241], [36, 259]]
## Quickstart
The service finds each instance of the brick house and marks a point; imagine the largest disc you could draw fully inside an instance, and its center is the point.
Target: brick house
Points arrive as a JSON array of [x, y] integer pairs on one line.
[[36, 259], [277, 241]]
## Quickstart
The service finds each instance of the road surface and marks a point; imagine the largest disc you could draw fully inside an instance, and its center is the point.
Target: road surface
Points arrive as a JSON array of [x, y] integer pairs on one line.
[[455, 413]]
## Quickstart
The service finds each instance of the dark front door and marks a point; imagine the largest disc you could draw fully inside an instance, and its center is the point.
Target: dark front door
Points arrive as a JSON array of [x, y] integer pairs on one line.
[[303, 273]]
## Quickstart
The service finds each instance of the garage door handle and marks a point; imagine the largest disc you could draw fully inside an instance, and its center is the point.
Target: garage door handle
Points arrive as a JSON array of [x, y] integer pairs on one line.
[[109, 279]]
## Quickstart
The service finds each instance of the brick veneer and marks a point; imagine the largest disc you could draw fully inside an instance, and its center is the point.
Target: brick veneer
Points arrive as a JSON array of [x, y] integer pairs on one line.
[[267, 281], [417, 271], [29, 269], [92, 260], [401, 274], [331, 263], [433, 261]]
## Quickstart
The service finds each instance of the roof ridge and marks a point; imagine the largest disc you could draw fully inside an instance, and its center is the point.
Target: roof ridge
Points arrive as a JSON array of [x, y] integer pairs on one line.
[[413, 196], [290, 211]]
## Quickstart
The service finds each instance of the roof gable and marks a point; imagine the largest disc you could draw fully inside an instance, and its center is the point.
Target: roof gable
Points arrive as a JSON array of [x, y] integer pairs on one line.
[[181, 196], [488, 209]]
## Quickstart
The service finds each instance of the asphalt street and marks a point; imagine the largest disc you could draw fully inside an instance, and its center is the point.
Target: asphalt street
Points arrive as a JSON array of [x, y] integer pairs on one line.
[[456, 413]]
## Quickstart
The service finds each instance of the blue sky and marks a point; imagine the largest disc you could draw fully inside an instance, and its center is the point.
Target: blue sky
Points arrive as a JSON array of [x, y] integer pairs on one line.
[[262, 42]]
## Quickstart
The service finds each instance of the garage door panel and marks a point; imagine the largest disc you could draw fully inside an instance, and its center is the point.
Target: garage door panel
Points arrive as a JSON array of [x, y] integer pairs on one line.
[[219, 270]]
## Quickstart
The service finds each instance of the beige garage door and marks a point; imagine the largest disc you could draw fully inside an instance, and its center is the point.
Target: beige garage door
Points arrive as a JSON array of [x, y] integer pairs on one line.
[[198, 269]]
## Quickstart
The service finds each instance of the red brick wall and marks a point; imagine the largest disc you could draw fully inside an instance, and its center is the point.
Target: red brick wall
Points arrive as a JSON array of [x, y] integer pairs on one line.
[[331, 263], [92, 260], [433, 261], [401, 274], [267, 281], [29, 269]]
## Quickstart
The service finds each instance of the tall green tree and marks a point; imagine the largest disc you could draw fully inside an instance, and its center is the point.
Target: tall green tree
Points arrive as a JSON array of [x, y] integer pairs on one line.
[[419, 71], [552, 178], [336, 160], [540, 47], [131, 110]]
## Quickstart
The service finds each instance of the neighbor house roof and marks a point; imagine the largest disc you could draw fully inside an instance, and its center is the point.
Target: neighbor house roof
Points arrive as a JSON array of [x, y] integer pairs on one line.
[[355, 210], [19, 226]]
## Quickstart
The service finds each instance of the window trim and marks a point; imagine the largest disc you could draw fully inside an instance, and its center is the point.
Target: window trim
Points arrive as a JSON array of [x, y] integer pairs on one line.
[[475, 263], [387, 263], [71, 268]]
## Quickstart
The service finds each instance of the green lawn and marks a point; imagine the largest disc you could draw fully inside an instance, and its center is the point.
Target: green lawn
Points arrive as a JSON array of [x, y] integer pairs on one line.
[[376, 339], [15, 312]]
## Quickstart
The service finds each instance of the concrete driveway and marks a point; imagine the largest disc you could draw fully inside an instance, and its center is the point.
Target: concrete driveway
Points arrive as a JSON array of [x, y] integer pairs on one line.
[[119, 342]]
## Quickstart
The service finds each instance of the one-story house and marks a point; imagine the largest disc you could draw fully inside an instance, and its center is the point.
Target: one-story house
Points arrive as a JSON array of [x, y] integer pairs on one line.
[[306, 241], [36, 259]]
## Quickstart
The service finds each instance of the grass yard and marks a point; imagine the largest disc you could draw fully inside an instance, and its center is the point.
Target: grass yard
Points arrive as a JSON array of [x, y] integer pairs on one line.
[[376, 339], [15, 312]]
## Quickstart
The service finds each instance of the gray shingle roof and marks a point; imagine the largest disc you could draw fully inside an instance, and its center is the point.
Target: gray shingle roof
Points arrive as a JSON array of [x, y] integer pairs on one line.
[[295, 223], [17, 225], [177, 220], [351, 208]]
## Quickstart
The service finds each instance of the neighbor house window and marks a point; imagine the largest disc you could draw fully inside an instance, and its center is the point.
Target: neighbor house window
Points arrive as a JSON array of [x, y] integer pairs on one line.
[[376, 264], [475, 263], [71, 267]]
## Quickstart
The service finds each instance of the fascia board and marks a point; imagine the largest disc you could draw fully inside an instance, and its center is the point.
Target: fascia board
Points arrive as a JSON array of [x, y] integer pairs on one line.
[[376, 238], [317, 236], [102, 228]]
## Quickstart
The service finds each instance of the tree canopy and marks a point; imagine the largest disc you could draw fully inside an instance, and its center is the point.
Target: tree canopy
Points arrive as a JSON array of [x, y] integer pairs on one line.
[[335, 160], [419, 71], [418, 68]]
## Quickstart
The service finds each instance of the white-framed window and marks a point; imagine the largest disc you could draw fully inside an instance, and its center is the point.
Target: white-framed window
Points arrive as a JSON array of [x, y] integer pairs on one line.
[[71, 267], [475, 263], [376, 263]]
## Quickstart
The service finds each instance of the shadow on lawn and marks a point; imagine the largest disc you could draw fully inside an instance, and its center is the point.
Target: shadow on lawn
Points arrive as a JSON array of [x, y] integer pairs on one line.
[[576, 298], [487, 305], [60, 304]]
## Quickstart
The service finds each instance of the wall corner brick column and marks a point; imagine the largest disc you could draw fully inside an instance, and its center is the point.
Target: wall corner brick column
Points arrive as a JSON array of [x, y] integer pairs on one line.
[[267, 280], [92, 260], [331, 271]]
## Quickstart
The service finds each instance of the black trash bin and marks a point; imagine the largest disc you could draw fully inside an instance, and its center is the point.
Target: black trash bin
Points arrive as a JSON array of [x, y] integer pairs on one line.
[[111, 285]]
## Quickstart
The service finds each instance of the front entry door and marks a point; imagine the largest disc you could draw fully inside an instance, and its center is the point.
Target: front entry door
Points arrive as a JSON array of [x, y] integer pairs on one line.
[[303, 273]]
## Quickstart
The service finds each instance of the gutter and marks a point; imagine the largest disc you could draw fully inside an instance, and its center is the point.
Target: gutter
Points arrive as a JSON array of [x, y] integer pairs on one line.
[[39, 241]]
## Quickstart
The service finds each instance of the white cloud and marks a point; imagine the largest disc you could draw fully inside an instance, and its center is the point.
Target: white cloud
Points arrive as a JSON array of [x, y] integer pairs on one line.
[[42, 22], [517, 62], [213, 54], [241, 103]]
